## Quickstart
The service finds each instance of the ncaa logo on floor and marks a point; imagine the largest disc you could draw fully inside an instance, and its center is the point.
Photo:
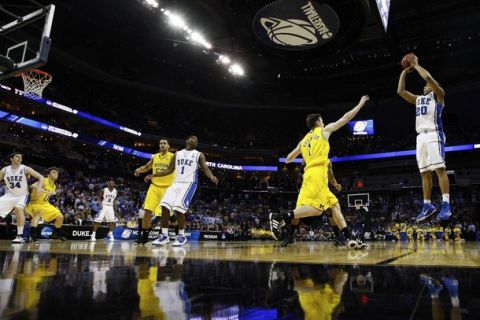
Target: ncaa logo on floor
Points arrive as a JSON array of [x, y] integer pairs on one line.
[[296, 24]]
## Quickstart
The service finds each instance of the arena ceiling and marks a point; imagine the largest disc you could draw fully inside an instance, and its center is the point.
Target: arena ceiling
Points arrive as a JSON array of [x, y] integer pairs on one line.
[[126, 40]]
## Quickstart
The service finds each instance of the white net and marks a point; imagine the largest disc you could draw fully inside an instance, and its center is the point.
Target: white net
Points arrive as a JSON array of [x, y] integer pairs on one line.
[[34, 81]]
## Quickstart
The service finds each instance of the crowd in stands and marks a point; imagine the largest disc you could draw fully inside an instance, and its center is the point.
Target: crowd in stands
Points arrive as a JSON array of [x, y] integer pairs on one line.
[[246, 213], [215, 125]]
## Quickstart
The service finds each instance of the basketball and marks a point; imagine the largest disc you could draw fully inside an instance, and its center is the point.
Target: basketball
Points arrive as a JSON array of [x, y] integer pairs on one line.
[[405, 63]]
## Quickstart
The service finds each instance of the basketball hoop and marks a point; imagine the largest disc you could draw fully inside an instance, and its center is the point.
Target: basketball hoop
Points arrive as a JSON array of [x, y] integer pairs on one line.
[[34, 81]]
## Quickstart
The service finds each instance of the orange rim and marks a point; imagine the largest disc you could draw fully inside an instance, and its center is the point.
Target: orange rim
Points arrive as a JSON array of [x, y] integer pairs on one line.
[[43, 73]]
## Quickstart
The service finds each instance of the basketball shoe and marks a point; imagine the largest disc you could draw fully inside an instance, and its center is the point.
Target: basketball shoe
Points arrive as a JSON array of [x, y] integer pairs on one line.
[[427, 210], [161, 240], [445, 212]]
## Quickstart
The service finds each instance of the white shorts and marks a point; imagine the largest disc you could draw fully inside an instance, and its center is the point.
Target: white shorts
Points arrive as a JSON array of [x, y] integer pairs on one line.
[[178, 197], [8, 202], [430, 151], [107, 212]]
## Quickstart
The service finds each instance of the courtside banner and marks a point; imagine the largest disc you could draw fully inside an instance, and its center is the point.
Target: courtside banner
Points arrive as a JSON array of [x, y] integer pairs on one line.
[[72, 232], [121, 233], [296, 24]]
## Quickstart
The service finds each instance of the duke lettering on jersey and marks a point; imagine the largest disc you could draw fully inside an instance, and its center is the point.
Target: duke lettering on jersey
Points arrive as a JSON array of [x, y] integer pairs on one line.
[[109, 196], [16, 180], [428, 114], [187, 166]]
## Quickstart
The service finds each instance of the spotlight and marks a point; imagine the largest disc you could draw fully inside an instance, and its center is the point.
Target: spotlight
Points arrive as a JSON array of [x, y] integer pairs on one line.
[[198, 38], [236, 70], [152, 3], [176, 21], [224, 59]]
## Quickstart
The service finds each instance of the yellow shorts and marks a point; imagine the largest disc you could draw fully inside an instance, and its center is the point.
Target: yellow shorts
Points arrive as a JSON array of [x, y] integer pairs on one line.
[[153, 198], [47, 211], [315, 192]]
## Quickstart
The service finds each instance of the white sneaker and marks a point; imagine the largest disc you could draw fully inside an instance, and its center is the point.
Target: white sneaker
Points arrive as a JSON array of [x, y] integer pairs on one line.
[[110, 237], [18, 239], [92, 238], [180, 240], [161, 240]]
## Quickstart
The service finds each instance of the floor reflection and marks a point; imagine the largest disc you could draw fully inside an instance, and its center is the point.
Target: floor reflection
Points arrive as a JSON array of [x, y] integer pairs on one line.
[[168, 285]]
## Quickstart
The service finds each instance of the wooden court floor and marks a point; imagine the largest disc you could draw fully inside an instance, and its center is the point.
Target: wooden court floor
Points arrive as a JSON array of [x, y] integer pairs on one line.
[[447, 254]]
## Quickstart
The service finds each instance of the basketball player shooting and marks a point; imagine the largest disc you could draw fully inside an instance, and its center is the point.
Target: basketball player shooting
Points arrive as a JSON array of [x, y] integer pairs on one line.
[[315, 197], [430, 138]]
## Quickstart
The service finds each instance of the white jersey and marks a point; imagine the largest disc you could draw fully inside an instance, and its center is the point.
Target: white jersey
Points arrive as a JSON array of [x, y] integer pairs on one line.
[[16, 181], [109, 197], [429, 114], [187, 166]]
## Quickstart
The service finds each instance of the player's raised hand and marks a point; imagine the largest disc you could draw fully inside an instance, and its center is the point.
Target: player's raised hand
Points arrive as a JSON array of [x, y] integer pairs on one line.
[[413, 59], [136, 173], [364, 99], [214, 180]]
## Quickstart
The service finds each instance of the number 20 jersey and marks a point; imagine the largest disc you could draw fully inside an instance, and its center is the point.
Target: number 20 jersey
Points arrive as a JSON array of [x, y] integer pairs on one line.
[[428, 113]]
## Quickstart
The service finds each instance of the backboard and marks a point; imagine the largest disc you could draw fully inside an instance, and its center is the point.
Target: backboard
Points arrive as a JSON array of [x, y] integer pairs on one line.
[[24, 36]]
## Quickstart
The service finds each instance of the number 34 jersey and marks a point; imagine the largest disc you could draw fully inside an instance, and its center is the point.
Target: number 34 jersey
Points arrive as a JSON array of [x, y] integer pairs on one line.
[[16, 180]]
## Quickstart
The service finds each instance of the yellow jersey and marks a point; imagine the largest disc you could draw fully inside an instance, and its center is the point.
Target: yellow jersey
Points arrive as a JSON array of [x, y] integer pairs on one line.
[[160, 163], [314, 149], [43, 197], [319, 302]]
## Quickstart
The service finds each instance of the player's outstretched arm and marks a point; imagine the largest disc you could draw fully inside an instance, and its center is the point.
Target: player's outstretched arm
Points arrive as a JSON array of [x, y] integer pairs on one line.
[[334, 126], [2, 174], [439, 92], [406, 95], [206, 169], [166, 172], [36, 175], [295, 153], [143, 169]]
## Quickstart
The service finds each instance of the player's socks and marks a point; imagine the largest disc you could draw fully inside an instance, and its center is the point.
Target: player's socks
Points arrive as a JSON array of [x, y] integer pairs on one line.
[[446, 197], [336, 232], [34, 233], [145, 234], [140, 228], [346, 233], [288, 217], [289, 235]]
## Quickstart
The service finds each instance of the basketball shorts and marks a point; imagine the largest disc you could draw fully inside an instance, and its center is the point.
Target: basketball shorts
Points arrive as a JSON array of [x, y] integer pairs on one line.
[[430, 151], [9, 201], [153, 197], [179, 196], [106, 212], [46, 210], [314, 191]]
